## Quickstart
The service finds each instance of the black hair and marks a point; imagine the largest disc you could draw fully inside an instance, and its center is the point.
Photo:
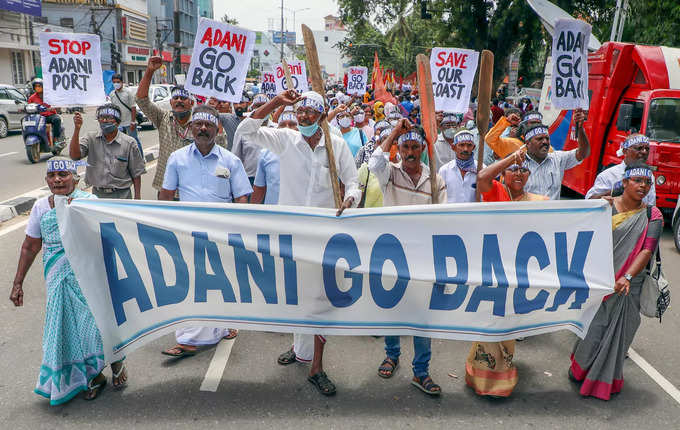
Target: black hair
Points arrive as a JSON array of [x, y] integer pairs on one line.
[[110, 106], [117, 76], [512, 110]]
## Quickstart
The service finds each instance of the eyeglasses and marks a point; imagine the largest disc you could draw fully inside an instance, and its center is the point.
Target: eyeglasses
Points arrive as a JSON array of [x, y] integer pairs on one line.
[[639, 180], [640, 148], [180, 98]]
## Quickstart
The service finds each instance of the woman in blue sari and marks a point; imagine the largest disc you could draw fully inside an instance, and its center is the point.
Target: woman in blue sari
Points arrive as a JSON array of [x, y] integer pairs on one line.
[[73, 355]]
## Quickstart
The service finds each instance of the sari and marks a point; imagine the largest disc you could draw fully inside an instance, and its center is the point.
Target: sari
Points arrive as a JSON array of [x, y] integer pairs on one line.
[[597, 360], [73, 353]]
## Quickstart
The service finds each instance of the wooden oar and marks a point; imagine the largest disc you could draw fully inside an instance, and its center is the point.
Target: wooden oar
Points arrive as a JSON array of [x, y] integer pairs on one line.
[[428, 118], [317, 85], [286, 71], [483, 105]]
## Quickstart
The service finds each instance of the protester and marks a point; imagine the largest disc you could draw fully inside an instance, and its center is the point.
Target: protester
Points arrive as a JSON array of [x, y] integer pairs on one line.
[[203, 172], [248, 152], [174, 131], [597, 360], [50, 115], [634, 148], [268, 177], [229, 117], [354, 137], [124, 98], [73, 353], [460, 174], [406, 183], [114, 162], [378, 111], [305, 182], [362, 121], [443, 147], [364, 153], [496, 111], [547, 168]]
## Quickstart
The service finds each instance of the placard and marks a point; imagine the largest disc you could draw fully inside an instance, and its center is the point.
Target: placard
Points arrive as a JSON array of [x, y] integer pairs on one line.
[[357, 77], [453, 74], [220, 60], [268, 84], [298, 74], [570, 64], [72, 69]]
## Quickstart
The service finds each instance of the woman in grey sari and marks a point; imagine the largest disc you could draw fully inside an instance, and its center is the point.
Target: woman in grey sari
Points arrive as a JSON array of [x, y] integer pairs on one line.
[[597, 360]]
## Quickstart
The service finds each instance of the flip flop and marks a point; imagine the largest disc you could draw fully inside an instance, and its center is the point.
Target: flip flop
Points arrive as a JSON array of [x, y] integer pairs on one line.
[[94, 386], [183, 352], [232, 334], [116, 375]]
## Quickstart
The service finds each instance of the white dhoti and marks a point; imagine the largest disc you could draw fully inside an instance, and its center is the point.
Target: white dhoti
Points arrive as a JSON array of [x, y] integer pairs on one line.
[[197, 336], [303, 346]]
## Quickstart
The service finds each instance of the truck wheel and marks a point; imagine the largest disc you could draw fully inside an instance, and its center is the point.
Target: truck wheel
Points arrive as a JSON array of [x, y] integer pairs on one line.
[[676, 234], [33, 153], [3, 128]]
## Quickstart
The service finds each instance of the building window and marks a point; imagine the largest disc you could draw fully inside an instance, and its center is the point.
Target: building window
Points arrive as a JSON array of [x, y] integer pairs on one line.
[[66, 22], [130, 77], [40, 19], [35, 56], [18, 76], [325, 38]]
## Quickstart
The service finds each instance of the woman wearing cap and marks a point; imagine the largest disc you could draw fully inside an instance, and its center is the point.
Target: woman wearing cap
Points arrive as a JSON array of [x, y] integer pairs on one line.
[[489, 369], [73, 355], [597, 360]]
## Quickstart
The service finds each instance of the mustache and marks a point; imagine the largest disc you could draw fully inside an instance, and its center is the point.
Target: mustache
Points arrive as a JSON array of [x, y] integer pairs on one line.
[[204, 134], [410, 158]]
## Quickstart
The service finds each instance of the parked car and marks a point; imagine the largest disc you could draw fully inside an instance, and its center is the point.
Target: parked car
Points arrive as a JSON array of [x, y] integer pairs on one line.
[[159, 94], [676, 224], [12, 103]]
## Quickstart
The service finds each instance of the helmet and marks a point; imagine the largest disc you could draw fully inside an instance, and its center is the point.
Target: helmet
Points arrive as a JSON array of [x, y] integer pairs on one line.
[[36, 81]]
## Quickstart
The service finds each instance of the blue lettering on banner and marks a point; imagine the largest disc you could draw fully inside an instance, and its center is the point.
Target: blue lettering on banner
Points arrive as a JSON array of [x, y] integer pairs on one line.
[[289, 268], [152, 237], [444, 246], [492, 263], [125, 289], [570, 274], [246, 261], [341, 246], [388, 247], [530, 245], [204, 281]]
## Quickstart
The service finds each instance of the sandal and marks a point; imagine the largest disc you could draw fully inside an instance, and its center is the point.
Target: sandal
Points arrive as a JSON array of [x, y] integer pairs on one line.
[[178, 351], [426, 385], [388, 367], [116, 376], [287, 357], [232, 334], [94, 387], [322, 383]]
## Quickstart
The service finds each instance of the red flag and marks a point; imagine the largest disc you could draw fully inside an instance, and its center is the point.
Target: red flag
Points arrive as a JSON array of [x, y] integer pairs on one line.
[[344, 80], [380, 93], [376, 67]]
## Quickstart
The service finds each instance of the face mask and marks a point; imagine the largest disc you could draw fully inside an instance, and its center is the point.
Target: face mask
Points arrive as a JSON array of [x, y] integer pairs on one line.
[[239, 112], [308, 130], [449, 133], [359, 118], [117, 85], [180, 116], [107, 127], [345, 122]]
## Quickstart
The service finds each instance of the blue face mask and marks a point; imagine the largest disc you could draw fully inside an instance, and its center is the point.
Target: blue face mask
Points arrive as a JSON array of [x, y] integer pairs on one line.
[[308, 130]]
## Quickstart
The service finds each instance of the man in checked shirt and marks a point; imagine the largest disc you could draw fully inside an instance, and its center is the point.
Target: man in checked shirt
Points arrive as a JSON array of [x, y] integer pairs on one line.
[[174, 131]]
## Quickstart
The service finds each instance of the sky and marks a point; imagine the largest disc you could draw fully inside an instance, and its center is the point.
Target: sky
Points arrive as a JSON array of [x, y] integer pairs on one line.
[[255, 14]]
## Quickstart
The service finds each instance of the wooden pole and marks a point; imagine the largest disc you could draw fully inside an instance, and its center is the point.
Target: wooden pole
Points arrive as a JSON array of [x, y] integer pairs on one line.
[[483, 106], [317, 85], [428, 118], [286, 71]]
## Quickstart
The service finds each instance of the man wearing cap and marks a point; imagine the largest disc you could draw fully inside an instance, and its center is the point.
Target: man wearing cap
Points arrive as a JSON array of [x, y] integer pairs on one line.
[[443, 147], [305, 181], [547, 168], [406, 183], [174, 131], [634, 148], [203, 172], [114, 162], [503, 136], [248, 152], [460, 174]]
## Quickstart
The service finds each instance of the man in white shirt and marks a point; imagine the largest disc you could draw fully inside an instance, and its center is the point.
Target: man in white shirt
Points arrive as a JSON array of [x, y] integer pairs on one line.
[[634, 148], [460, 174], [305, 181], [443, 147]]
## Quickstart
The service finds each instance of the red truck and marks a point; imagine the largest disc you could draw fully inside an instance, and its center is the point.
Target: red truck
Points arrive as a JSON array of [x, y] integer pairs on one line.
[[631, 88]]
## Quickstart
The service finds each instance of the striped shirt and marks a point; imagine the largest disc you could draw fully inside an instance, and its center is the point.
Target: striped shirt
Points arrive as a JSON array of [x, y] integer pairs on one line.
[[171, 136], [546, 176], [397, 186]]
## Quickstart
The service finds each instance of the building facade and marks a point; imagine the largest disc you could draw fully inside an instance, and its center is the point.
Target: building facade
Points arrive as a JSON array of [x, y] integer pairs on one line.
[[205, 9], [333, 64]]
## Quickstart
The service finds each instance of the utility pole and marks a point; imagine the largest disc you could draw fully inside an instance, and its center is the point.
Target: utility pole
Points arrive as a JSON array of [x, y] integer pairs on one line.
[[282, 31], [178, 43]]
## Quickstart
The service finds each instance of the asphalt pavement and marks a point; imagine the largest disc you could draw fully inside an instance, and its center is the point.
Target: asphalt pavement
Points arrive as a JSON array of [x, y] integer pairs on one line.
[[252, 391]]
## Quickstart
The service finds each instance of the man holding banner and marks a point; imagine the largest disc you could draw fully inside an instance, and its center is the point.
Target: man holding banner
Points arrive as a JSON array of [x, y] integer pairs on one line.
[[305, 182]]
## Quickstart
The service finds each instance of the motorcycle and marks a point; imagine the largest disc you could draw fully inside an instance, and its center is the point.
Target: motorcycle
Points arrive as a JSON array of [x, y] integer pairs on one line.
[[37, 135]]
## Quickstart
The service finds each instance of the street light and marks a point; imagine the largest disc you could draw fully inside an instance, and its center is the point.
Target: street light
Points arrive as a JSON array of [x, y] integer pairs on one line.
[[294, 11]]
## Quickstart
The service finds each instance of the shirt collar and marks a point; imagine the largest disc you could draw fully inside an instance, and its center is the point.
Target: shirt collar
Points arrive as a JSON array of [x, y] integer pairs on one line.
[[213, 151], [100, 134]]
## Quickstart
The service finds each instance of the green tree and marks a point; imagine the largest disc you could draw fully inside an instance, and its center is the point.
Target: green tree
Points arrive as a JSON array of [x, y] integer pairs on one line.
[[232, 21]]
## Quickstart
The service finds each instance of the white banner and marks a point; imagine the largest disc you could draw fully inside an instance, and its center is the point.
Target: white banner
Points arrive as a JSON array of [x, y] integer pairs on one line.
[[268, 84], [298, 74], [72, 69], [357, 77], [453, 73], [450, 271], [570, 64], [220, 60]]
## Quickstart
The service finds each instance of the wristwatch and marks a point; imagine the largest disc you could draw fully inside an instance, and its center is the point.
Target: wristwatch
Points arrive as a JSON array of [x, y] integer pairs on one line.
[[628, 277]]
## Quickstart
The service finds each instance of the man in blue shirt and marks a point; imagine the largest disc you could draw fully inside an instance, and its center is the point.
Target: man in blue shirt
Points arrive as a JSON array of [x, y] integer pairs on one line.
[[203, 172]]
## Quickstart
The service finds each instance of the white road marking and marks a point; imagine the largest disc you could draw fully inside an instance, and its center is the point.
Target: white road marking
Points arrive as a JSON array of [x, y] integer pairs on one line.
[[655, 375], [13, 227], [7, 153], [217, 365]]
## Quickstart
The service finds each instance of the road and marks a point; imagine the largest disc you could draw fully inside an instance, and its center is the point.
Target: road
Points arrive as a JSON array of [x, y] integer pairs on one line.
[[251, 391]]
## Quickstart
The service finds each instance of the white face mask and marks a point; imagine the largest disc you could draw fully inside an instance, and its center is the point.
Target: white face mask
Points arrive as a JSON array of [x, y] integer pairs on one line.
[[359, 118], [345, 122], [117, 85]]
